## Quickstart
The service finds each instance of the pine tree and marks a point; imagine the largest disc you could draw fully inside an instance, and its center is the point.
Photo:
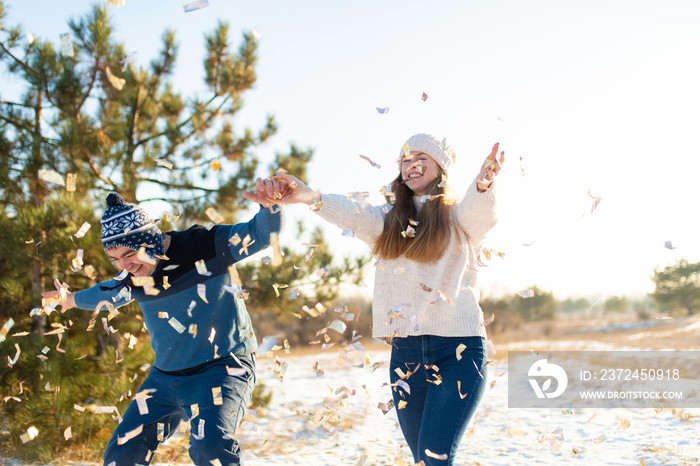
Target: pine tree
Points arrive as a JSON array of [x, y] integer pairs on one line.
[[90, 121]]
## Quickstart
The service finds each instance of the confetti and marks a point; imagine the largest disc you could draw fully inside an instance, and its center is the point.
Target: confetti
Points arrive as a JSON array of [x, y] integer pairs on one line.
[[216, 395], [66, 45], [459, 351], [51, 176], [596, 202], [213, 215], [428, 197], [31, 434], [215, 165], [266, 344], [202, 292], [70, 182], [212, 334], [115, 81], [129, 435], [459, 390], [6, 328], [179, 328], [338, 326], [115, 2], [374, 164], [424, 97], [276, 250], [244, 246], [68, 433], [382, 111], [430, 454], [526, 293], [195, 5], [669, 245], [165, 163], [202, 268], [386, 407]]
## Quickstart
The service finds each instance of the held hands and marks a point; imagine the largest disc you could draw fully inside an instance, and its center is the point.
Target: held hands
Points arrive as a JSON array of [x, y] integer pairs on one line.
[[62, 296], [281, 189], [490, 169]]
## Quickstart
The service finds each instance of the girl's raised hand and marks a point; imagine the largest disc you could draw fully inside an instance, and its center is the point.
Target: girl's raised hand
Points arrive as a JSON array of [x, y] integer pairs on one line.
[[491, 167]]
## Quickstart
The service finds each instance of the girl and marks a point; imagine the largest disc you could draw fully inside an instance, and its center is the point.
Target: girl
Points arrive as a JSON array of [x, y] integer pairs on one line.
[[426, 300]]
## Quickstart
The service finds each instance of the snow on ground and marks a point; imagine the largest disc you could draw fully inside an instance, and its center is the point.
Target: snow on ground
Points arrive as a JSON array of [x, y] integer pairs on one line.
[[333, 419]]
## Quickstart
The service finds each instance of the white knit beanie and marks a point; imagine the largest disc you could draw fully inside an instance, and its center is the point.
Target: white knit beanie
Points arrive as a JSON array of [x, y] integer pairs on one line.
[[438, 150]]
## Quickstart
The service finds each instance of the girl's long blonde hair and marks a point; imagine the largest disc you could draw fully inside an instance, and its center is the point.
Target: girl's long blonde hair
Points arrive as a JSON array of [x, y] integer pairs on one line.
[[432, 233]]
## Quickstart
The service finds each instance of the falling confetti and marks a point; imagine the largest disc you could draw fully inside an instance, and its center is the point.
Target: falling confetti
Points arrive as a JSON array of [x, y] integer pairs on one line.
[[276, 250], [424, 97], [51, 176], [459, 351], [374, 164], [526, 293], [213, 215], [70, 182], [66, 45], [115, 81], [195, 5], [669, 245], [430, 454], [165, 163], [595, 202], [382, 111]]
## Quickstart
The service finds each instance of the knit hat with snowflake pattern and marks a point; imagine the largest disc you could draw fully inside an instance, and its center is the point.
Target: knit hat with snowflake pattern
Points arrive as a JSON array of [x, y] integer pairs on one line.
[[130, 226]]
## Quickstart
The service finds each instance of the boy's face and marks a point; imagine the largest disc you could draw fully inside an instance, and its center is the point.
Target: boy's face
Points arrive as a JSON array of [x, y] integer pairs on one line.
[[127, 259]]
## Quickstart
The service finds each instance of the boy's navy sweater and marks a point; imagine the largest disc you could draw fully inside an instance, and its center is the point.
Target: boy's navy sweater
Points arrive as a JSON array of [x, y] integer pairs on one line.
[[222, 324]]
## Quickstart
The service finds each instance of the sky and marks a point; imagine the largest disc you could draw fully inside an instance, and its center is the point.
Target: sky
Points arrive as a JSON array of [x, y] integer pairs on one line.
[[596, 97]]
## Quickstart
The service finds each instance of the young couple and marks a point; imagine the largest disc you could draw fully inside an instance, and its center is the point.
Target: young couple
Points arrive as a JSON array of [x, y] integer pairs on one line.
[[426, 305]]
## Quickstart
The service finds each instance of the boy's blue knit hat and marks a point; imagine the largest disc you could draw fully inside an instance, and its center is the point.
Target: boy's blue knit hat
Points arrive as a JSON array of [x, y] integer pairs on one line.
[[130, 226]]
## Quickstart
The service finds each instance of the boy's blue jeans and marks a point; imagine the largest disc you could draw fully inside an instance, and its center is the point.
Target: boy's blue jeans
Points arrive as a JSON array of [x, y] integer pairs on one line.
[[173, 398], [436, 415]]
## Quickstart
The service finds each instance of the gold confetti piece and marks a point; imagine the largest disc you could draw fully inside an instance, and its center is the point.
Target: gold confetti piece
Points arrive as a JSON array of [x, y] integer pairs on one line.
[[51, 176], [6, 328], [374, 164], [195, 410], [567, 412], [526, 293], [216, 394], [437, 456], [160, 436], [276, 250], [129, 435], [202, 268], [70, 182], [115, 2], [515, 433], [424, 97], [459, 390], [163, 315], [244, 245], [402, 404], [596, 202], [179, 328], [115, 81], [193, 330], [382, 111], [202, 292], [165, 164], [143, 281], [213, 215], [459, 351], [66, 45], [215, 165], [624, 424]]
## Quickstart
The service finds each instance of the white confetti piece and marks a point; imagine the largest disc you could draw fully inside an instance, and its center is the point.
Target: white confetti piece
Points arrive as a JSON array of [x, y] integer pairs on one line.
[[129, 435], [266, 344], [526, 293], [51, 176], [202, 292], [382, 110], [195, 5], [66, 45]]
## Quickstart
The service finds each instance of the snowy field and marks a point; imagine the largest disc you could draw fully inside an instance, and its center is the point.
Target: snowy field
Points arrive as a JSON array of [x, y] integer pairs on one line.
[[325, 411]]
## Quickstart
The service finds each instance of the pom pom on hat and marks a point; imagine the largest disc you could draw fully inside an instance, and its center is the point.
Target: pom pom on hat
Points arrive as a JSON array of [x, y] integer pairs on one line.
[[437, 149], [130, 226]]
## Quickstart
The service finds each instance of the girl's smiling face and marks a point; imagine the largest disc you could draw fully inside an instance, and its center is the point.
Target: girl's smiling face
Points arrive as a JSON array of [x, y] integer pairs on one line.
[[418, 172]]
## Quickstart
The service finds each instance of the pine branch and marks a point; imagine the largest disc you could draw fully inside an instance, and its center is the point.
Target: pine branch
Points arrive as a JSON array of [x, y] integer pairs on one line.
[[175, 185]]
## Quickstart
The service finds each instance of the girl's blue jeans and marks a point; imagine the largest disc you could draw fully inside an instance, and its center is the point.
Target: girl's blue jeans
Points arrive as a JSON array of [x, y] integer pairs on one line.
[[437, 409], [207, 396]]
